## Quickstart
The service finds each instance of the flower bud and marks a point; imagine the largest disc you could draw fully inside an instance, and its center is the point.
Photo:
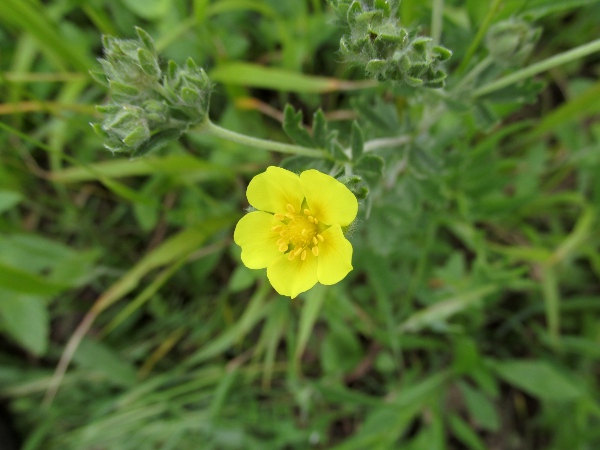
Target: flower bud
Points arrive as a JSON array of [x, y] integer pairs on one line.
[[511, 41]]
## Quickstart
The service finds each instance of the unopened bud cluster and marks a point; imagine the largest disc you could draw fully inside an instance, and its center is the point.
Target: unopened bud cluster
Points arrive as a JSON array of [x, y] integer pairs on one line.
[[149, 107], [510, 42], [388, 51]]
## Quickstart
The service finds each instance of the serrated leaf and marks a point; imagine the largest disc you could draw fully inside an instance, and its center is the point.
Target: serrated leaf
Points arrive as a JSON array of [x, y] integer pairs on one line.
[[337, 152], [357, 141], [320, 129], [292, 125], [369, 165]]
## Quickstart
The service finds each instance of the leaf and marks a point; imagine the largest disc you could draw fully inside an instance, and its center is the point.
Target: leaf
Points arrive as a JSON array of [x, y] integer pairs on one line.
[[179, 166], [99, 357], [310, 312], [27, 283], [8, 199], [465, 434], [481, 409], [445, 309], [25, 318], [538, 378], [357, 141], [369, 165], [292, 125], [254, 75]]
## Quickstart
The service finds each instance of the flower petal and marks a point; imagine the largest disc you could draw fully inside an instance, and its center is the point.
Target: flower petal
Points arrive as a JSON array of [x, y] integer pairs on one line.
[[259, 243], [293, 277], [335, 256], [274, 189], [328, 200]]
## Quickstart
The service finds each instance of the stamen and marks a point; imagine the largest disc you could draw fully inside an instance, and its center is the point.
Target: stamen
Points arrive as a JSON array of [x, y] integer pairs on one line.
[[277, 228], [303, 255], [284, 233], [290, 208], [321, 238], [311, 219], [315, 250], [291, 255], [307, 212], [315, 241], [279, 217], [304, 231], [289, 216], [315, 221], [297, 251], [284, 247], [281, 241]]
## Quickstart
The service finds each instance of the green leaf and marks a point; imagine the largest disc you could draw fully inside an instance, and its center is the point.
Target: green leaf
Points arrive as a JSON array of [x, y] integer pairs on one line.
[[99, 357], [25, 318], [8, 199], [26, 283], [369, 165], [358, 141], [539, 379], [481, 409], [254, 75], [465, 434], [292, 125]]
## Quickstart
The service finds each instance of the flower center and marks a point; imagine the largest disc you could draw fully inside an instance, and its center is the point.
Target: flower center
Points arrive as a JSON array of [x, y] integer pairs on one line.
[[299, 232]]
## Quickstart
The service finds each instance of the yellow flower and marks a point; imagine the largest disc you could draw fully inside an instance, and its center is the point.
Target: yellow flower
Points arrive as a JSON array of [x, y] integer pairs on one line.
[[297, 231]]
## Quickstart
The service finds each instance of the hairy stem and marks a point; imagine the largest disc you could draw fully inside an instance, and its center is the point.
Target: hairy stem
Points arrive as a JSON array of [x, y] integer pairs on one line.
[[215, 130]]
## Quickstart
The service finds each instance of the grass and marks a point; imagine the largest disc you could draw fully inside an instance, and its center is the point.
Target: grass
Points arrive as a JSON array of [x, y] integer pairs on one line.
[[470, 320]]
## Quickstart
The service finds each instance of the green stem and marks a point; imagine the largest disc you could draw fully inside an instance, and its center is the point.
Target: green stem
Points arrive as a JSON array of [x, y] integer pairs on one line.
[[534, 69], [264, 144], [479, 36], [437, 15]]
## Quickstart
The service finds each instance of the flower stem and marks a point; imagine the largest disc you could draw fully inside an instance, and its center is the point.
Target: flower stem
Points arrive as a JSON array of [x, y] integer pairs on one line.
[[534, 69], [228, 135]]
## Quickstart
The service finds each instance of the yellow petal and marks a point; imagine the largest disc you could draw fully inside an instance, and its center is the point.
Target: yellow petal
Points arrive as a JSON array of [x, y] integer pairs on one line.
[[274, 189], [335, 256], [328, 200], [293, 277], [258, 241]]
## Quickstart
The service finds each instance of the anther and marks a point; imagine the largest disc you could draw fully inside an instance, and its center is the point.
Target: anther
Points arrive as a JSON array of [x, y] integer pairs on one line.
[[281, 241], [277, 228], [290, 208], [311, 219], [315, 250], [307, 212], [279, 217], [321, 238], [284, 247], [291, 255], [304, 231], [315, 221], [303, 255], [289, 216], [315, 241], [297, 251], [284, 233]]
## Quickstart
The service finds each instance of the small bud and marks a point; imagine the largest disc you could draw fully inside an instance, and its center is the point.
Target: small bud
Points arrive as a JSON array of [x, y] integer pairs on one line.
[[510, 42]]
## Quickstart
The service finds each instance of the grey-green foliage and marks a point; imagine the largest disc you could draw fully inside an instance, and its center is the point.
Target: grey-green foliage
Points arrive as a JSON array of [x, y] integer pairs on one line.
[[149, 107], [510, 42], [388, 51]]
